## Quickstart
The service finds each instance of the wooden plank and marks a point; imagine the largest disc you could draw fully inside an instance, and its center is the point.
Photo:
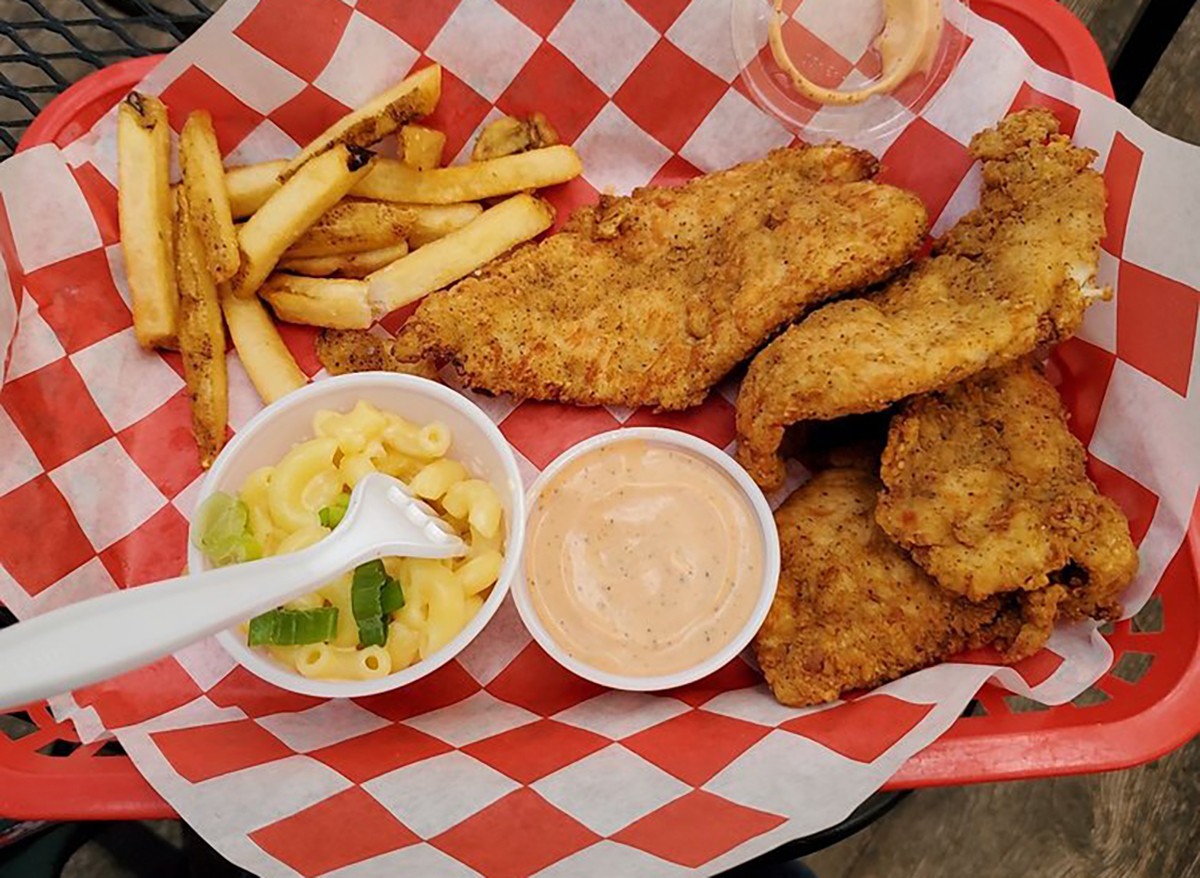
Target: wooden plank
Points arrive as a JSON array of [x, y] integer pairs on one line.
[[1108, 20], [1171, 99], [1139, 823]]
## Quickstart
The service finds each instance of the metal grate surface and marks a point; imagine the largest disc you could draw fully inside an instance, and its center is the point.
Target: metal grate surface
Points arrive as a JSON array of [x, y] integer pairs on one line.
[[46, 45]]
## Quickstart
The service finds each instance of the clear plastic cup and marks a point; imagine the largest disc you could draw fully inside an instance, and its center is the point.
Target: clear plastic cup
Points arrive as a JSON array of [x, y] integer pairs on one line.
[[832, 42]]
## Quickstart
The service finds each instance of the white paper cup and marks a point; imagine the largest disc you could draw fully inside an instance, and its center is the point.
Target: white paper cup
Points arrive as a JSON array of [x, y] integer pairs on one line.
[[478, 445], [770, 578]]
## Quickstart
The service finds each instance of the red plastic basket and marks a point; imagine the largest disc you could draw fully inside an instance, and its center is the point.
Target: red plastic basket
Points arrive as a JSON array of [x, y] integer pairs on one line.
[[1144, 707]]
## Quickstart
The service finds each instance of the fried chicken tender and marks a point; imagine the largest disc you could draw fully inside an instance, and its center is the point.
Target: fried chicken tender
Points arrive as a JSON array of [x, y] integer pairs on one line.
[[987, 489], [357, 350], [650, 299], [1015, 274], [852, 610]]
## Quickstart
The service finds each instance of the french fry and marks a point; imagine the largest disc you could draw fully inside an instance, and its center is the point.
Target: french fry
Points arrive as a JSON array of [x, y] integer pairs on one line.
[[438, 220], [145, 209], [414, 97], [436, 265], [334, 303], [358, 226], [201, 335], [354, 227], [356, 265], [394, 181], [207, 197], [510, 135], [288, 213], [421, 148], [249, 186], [268, 362]]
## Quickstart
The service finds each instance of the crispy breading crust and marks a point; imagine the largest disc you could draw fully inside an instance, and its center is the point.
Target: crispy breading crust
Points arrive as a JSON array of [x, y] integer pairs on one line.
[[987, 488], [357, 350], [852, 610], [1015, 274], [650, 299]]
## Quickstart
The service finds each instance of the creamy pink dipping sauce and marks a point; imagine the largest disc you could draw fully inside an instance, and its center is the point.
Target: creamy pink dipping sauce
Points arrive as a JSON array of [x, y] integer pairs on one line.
[[643, 559]]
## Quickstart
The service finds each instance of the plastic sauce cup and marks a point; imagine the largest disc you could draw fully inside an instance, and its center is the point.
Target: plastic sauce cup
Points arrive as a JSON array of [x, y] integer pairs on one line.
[[770, 576]]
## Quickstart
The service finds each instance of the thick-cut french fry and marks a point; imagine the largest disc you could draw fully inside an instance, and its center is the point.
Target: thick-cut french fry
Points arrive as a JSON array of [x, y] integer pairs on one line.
[[299, 203], [510, 135], [394, 181], [438, 220], [145, 209], [414, 97], [266, 359], [358, 226], [354, 227], [201, 335], [496, 231], [207, 197], [356, 265], [333, 303], [421, 148], [249, 186]]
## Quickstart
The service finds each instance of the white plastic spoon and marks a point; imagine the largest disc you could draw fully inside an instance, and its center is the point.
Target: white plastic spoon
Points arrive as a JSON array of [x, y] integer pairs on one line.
[[105, 636]]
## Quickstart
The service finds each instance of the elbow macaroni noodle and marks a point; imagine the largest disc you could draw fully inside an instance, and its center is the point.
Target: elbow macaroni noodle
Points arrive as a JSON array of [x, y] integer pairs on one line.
[[440, 597]]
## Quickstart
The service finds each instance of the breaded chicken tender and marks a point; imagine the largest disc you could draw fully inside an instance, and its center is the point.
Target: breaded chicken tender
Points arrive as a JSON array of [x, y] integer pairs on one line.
[[852, 610], [1015, 274], [650, 299], [357, 350], [987, 489]]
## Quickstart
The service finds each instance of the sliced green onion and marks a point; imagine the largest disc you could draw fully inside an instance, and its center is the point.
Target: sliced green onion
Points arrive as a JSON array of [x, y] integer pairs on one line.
[[245, 549], [293, 627], [373, 573], [221, 530], [331, 516], [366, 602], [219, 515], [391, 597]]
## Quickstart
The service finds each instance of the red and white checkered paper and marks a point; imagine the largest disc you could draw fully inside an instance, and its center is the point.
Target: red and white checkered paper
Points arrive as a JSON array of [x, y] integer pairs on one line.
[[502, 763]]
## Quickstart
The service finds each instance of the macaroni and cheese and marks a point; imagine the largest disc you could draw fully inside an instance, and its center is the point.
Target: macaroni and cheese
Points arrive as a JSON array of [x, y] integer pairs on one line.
[[378, 619]]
